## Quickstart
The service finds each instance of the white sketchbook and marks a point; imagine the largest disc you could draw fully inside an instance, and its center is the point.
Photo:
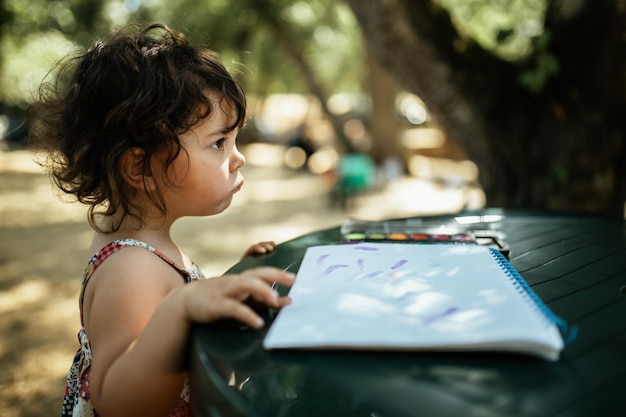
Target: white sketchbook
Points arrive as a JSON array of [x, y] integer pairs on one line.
[[390, 296]]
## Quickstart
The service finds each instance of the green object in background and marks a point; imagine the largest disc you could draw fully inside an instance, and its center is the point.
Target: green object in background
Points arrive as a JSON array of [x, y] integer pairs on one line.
[[356, 172]]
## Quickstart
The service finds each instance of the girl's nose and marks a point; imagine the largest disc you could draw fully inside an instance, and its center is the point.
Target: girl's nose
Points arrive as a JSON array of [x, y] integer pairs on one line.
[[238, 160]]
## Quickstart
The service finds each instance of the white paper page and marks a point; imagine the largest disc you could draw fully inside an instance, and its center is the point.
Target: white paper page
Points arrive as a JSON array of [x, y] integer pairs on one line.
[[407, 296]]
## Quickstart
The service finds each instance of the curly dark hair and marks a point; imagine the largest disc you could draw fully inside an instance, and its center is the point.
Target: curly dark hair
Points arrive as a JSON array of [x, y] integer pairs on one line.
[[140, 88]]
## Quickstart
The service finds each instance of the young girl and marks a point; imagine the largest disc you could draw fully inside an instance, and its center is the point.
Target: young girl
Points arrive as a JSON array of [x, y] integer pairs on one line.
[[142, 129]]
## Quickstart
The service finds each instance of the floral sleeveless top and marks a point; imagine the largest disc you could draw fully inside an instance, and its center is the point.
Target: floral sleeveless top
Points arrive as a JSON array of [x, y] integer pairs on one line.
[[77, 401]]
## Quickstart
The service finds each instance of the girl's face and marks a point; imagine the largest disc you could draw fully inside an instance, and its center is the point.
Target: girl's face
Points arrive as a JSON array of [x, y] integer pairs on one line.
[[206, 173]]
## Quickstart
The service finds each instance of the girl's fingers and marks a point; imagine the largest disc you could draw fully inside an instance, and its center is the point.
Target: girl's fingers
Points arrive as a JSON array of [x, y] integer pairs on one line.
[[260, 249], [246, 287], [226, 296], [269, 245], [263, 247], [233, 306], [241, 312], [271, 275]]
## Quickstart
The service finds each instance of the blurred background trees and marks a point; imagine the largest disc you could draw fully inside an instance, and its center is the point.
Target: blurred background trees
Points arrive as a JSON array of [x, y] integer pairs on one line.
[[532, 92]]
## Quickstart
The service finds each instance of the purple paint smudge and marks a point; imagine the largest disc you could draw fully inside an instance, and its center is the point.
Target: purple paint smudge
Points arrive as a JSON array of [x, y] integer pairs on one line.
[[373, 274], [361, 263], [322, 258], [333, 267], [448, 312], [399, 264], [368, 248]]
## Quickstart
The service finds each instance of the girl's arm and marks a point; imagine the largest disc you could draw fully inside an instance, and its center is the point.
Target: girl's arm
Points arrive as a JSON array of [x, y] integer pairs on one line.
[[138, 314]]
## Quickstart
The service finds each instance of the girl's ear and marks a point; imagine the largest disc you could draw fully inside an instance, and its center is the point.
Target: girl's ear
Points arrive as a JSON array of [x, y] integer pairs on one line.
[[132, 167]]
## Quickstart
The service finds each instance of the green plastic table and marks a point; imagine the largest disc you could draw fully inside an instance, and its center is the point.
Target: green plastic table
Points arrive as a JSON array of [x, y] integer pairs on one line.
[[575, 263]]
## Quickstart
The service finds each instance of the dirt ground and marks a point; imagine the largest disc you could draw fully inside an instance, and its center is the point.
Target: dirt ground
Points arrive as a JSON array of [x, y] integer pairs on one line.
[[44, 242]]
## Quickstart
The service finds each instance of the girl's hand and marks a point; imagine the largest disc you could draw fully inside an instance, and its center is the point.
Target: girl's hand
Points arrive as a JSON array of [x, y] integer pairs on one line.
[[260, 249], [228, 296]]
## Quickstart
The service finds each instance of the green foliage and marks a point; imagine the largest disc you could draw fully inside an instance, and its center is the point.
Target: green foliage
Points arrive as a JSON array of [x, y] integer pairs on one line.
[[27, 17], [26, 61], [246, 33], [263, 42], [544, 65], [505, 27], [37, 35], [513, 31]]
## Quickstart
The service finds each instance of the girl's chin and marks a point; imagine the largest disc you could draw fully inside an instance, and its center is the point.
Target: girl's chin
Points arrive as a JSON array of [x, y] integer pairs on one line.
[[217, 207], [225, 204]]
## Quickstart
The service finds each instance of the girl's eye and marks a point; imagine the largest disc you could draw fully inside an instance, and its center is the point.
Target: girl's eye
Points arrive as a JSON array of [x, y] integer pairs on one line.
[[219, 144]]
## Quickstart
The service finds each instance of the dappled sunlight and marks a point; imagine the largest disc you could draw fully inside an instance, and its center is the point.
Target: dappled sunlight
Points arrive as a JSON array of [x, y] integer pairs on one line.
[[39, 323], [419, 310], [280, 189], [29, 199], [414, 296], [408, 196], [19, 161], [46, 243], [434, 186], [443, 169], [264, 154], [362, 306], [422, 138], [323, 160], [37, 206], [295, 157], [24, 293], [281, 113]]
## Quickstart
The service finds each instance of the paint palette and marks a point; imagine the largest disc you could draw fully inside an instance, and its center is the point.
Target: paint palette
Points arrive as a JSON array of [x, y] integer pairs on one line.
[[416, 231]]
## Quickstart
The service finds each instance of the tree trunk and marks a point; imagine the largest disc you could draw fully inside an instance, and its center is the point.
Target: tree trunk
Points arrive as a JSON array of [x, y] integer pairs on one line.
[[383, 122], [561, 148]]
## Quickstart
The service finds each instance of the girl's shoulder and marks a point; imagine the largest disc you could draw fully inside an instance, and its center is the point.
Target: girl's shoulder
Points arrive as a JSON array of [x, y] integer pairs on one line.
[[138, 267], [143, 248], [132, 280], [138, 264]]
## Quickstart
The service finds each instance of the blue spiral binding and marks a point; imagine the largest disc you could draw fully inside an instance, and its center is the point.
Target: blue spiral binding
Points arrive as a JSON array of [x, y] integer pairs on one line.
[[568, 333]]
